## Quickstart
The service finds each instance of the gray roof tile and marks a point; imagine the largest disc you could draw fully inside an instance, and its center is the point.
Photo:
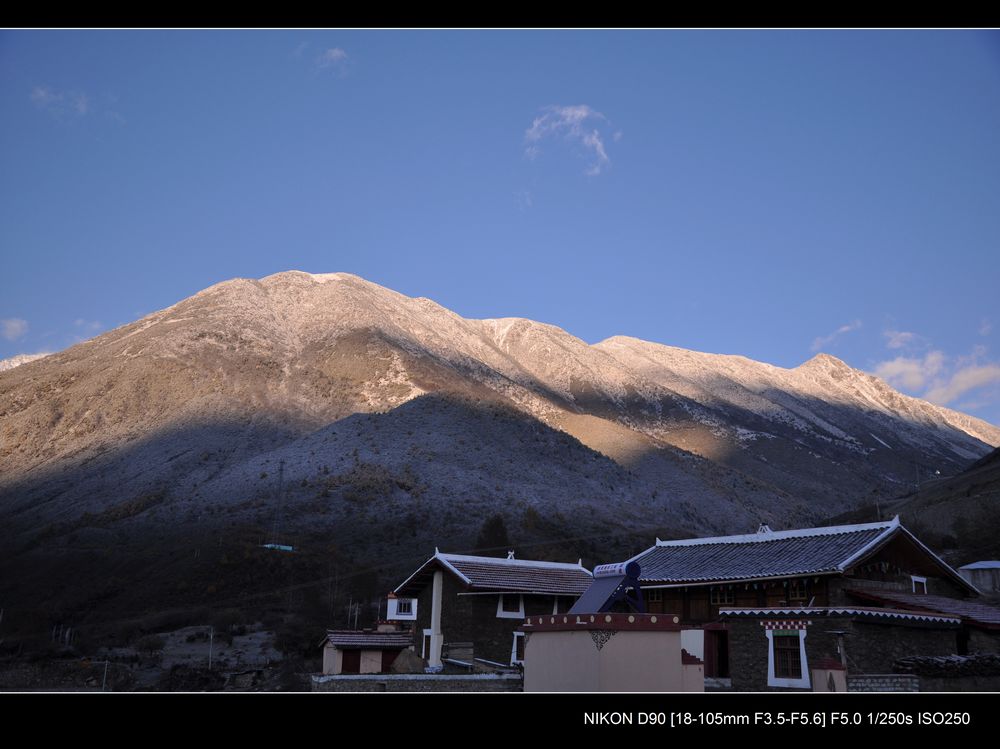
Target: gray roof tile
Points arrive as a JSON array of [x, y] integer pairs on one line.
[[485, 574], [354, 639], [762, 555]]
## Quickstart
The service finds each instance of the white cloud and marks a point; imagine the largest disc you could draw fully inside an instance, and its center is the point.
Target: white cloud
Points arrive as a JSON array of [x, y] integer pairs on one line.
[[335, 59], [962, 381], [523, 199], [911, 373], [899, 338], [823, 341], [579, 124], [62, 103], [942, 380], [13, 328], [75, 104], [985, 327]]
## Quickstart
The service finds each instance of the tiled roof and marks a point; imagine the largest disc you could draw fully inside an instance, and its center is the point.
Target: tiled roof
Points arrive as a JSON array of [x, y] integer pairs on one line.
[[971, 610], [857, 611], [352, 639], [520, 575], [493, 574], [760, 555]]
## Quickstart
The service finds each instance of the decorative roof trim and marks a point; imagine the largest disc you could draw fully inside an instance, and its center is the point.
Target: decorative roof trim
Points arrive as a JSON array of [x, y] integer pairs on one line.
[[692, 582], [762, 537], [840, 611], [504, 562], [874, 544], [944, 565], [519, 592], [446, 561], [442, 558], [436, 558]]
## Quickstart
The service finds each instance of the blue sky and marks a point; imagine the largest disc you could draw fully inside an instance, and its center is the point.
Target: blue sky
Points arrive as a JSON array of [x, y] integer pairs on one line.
[[771, 194]]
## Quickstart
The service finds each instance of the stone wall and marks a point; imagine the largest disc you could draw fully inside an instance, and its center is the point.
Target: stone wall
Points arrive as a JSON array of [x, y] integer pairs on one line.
[[871, 648], [80, 674], [883, 683], [418, 683], [984, 641]]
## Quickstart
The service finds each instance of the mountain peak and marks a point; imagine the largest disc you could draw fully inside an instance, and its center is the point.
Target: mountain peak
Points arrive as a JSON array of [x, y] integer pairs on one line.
[[825, 362], [288, 275]]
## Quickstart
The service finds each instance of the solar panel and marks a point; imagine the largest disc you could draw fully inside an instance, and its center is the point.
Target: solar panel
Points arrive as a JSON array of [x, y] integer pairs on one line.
[[597, 595]]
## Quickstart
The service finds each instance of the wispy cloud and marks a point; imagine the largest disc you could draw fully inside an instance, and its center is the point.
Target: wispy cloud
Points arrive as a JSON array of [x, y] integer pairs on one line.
[[962, 381], [578, 124], [823, 341], [334, 59], [896, 339], [985, 327], [523, 199], [942, 379], [61, 103], [74, 104], [13, 328], [910, 372]]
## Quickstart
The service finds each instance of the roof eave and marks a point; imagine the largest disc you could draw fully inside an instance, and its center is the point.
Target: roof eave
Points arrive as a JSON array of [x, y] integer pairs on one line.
[[653, 584], [439, 559]]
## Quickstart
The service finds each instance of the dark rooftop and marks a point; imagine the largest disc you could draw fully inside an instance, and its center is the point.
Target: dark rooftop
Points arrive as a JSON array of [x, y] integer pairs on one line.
[[972, 611], [761, 555], [352, 639], [496, 574]]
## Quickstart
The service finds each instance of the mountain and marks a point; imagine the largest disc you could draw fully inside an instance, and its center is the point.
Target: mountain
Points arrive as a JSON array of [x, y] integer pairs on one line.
[[16, 361], [960, 512], [343, 416]]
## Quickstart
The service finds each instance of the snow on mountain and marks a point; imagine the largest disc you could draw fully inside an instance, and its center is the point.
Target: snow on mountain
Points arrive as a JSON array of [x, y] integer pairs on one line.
[[212, 384], [17, 361]]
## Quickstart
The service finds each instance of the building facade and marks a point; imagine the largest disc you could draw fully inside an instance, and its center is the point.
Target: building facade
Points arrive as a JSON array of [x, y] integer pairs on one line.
[[774, 602], [467, 609]]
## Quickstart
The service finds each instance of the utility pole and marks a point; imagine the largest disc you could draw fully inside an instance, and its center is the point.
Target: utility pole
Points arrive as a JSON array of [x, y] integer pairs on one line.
[[105, 680], [211, 642]]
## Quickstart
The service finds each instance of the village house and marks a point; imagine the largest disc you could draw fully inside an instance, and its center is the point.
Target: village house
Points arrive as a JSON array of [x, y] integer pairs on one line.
[[774, 605], [349, 651], [466, 610]]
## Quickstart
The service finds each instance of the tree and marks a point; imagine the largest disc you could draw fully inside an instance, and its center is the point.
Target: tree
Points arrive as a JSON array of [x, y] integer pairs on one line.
[[493, 539]]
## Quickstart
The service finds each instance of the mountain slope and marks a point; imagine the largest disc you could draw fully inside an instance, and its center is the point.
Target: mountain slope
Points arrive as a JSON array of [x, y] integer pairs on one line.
[[380, 411]]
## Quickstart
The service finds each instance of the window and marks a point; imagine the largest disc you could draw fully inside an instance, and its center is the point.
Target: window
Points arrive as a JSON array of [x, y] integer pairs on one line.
[[786, 658], [919, 584], [722, 596], [401, 608], [797, 590], [654, 596], [517, 649], [510, 606], [787, 664]]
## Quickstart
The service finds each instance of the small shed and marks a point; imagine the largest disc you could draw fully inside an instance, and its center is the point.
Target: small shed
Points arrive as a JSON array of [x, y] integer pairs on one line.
[[362, 651]]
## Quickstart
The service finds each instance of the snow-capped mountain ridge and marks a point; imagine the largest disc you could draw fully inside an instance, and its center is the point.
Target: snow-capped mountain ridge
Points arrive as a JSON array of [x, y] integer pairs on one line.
[[728, 439]]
